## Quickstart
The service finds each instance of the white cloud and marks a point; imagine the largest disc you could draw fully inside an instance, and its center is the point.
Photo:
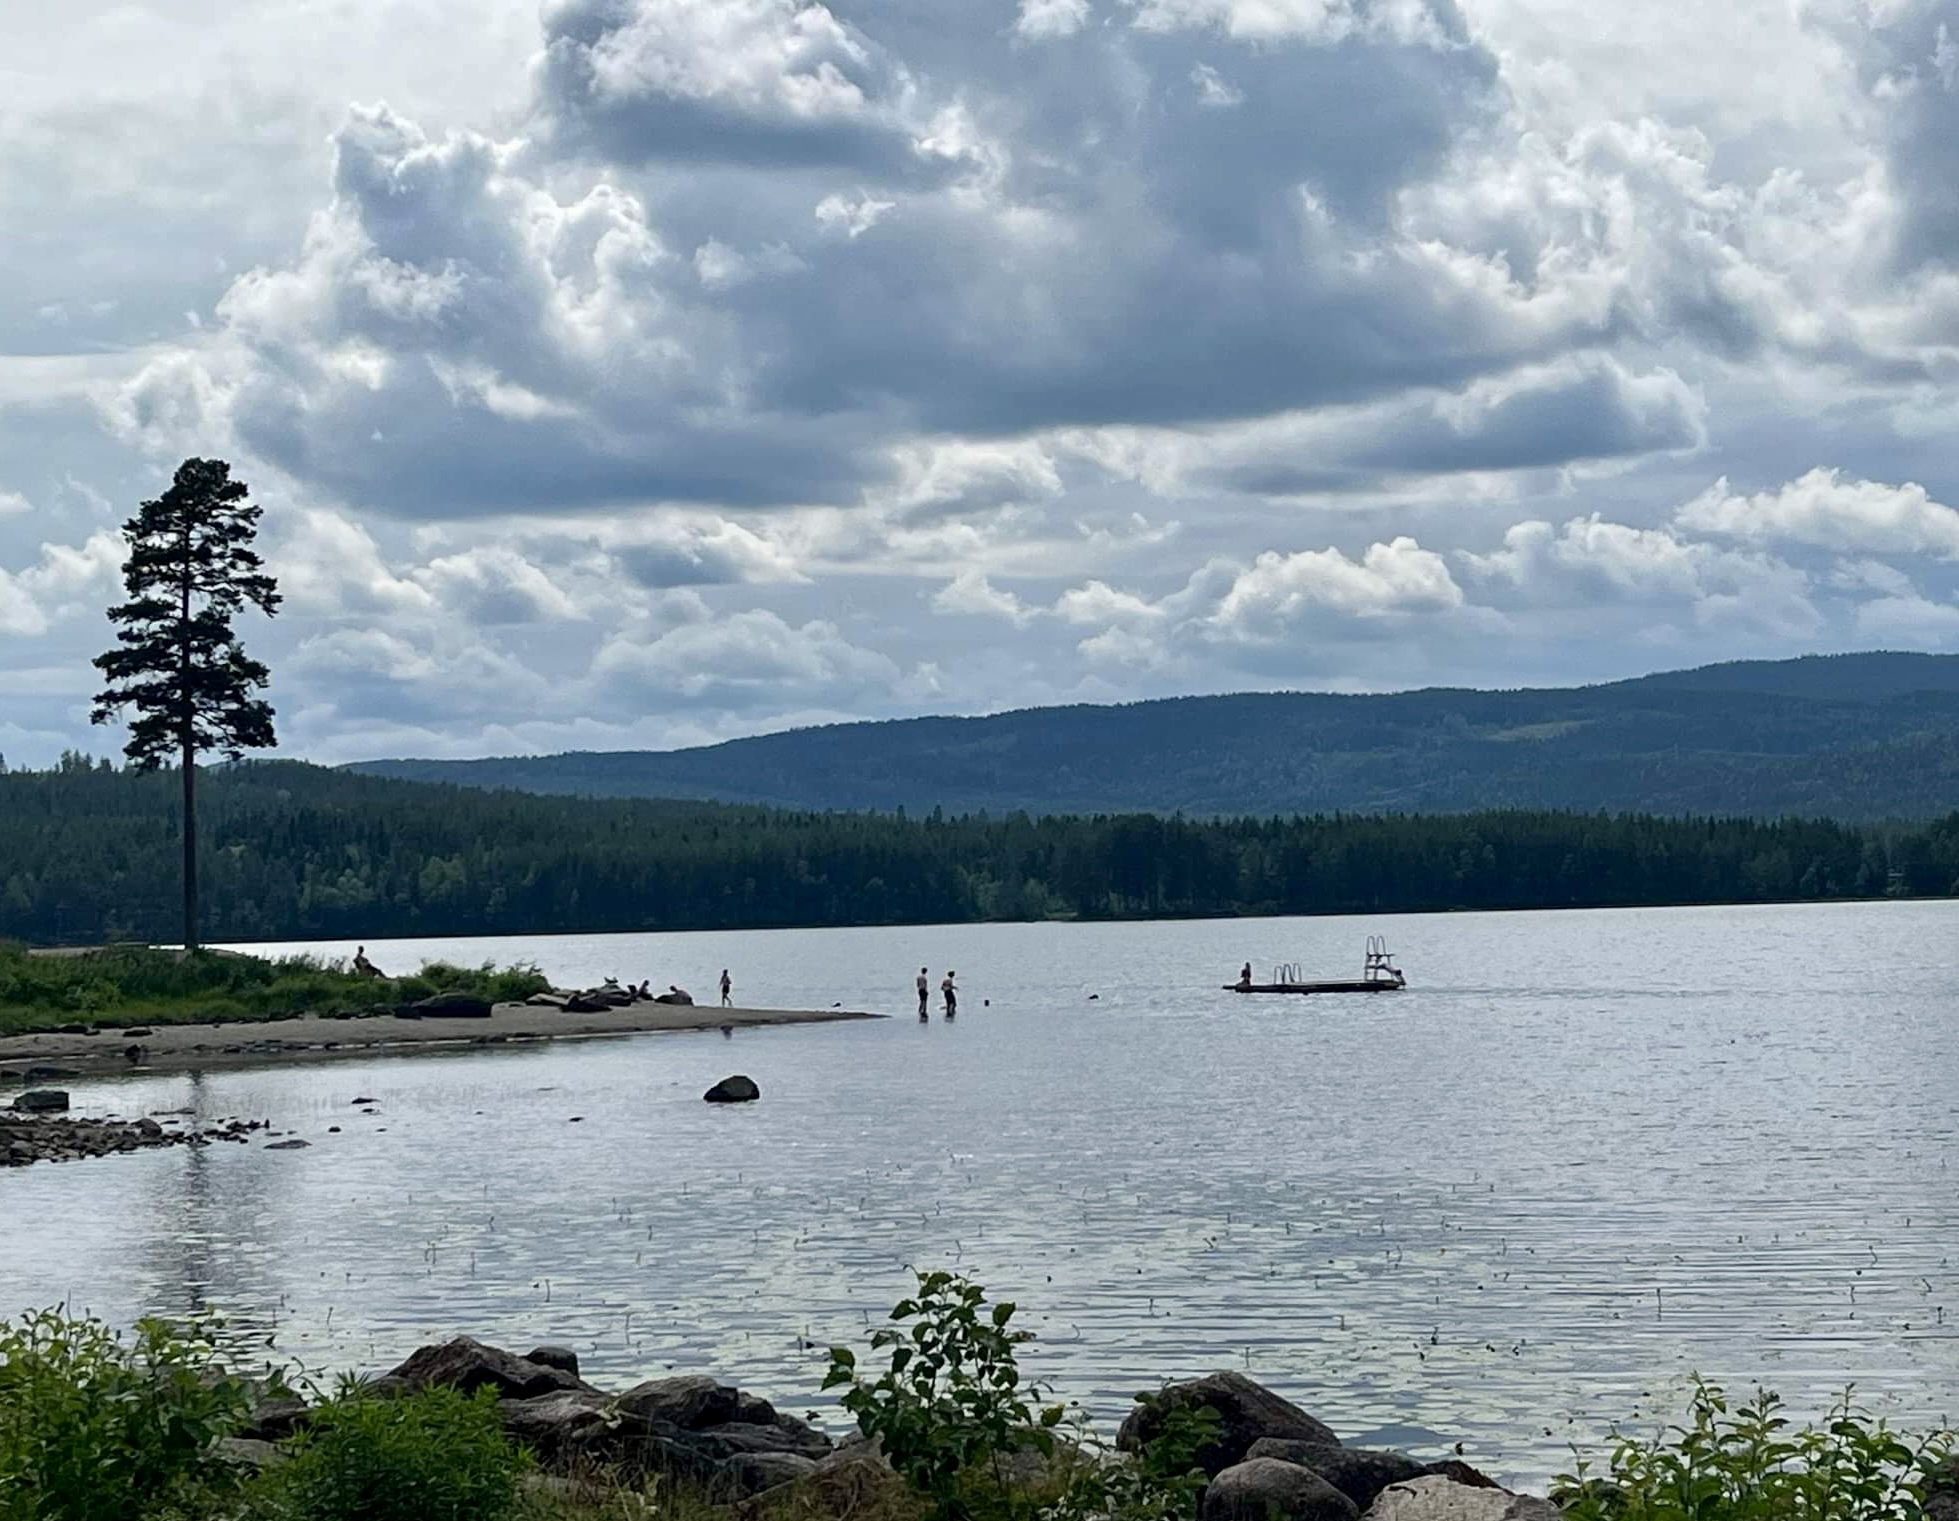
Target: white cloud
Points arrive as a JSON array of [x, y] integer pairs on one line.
[[853, 218], [1832, 511], [743, 659], [328, 566], [1212, 90], [1042, 19], [66, 581], [13, 503], [970, 594], [1389, 580]]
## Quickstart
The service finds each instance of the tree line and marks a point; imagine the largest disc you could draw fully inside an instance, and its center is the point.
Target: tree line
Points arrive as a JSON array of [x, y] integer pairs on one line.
[[288, 851]]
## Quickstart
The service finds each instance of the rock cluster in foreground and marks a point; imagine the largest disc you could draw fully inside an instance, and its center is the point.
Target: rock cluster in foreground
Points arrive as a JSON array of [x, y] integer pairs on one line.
[[32, 1135], [1271, 1461]]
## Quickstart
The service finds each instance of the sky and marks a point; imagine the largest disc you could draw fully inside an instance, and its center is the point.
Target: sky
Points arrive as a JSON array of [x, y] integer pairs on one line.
[[642, 373]]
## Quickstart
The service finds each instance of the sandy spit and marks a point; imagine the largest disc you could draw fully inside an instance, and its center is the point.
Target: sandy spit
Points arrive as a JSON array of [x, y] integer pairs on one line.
[[194, 1047]]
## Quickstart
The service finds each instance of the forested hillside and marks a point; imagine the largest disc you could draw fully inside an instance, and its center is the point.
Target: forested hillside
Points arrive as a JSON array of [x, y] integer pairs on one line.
[[1849, 736], [293, 851]]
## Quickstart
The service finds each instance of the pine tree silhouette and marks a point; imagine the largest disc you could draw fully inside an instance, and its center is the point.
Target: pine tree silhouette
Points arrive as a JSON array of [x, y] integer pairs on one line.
[[191, 567]]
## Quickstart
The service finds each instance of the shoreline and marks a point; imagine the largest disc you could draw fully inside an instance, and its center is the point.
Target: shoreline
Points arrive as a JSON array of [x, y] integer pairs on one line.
[[316, 1038]]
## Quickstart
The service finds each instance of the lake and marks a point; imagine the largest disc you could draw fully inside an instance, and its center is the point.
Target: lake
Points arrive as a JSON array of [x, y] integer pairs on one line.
[[1583, 1155]]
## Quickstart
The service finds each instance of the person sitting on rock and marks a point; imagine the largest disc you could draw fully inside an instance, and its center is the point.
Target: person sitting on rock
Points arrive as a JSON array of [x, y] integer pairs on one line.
[[362, 966]]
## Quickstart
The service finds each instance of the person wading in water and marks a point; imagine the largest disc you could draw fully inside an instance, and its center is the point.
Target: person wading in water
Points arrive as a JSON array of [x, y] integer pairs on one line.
[[924, 993], [951, 995]]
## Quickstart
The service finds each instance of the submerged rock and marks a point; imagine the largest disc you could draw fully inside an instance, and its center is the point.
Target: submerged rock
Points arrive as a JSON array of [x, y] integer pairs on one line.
[[733, 1090], [1246, 1411]]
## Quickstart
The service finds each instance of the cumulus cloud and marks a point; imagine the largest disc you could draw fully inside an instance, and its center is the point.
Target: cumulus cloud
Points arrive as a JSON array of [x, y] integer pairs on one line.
[[970, 594], [1833, 511], [1388, 580], [65, 581], [1588, 560], [1051, 18], [744, 659]]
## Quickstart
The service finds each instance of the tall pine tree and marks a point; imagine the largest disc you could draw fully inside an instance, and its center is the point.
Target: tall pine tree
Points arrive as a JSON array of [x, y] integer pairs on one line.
[[191, 567]]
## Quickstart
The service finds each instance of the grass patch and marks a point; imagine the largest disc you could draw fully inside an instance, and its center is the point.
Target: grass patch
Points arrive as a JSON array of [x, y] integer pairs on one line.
[[120, 986]]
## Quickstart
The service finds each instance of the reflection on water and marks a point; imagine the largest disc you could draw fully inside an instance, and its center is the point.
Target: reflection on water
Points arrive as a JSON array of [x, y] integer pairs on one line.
[[1583, 1155]]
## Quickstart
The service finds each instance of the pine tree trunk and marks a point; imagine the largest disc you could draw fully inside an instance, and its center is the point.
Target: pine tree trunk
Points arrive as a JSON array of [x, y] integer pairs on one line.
[[190, 848], [189, 741]]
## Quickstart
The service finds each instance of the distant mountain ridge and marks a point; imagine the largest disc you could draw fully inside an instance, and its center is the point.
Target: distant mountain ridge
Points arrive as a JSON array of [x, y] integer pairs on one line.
[[1860, 736]]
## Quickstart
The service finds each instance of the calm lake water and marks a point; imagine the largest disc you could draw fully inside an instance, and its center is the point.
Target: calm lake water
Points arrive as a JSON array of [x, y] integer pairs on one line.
[[1581, 1156]]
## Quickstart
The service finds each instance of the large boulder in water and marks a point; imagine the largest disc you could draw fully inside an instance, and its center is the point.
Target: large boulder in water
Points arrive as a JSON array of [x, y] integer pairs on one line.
[[1438, 1499], [733, 1090], [467, 1364], [1246, 1411], [1359, 1473], [1265, 1489], [42, 1101]]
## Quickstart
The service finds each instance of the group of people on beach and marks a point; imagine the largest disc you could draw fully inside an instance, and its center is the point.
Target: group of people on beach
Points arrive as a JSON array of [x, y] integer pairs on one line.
[[950, 992]]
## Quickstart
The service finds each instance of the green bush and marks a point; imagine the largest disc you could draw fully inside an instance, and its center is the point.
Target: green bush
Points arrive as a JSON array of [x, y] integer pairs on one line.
[[951, 1400], [125, 985], [436, 1455], [93, 1428], [1163, 1482], [1748, 1464]]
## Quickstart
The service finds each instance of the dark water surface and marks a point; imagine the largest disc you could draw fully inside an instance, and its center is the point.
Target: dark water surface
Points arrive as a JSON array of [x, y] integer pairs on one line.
[[1583, 1155]]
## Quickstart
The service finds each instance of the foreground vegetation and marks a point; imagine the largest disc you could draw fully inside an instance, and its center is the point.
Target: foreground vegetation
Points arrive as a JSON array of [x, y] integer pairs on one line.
[[121, 986], [97, 1428], [90, 854]]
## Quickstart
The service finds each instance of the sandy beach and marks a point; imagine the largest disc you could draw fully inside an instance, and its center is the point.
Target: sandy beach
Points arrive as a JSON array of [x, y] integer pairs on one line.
[[188, 1047]]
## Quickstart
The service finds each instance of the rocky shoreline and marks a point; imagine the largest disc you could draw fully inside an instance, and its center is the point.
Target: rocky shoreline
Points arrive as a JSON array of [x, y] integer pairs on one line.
[[1268, 1461], [45, 1135]]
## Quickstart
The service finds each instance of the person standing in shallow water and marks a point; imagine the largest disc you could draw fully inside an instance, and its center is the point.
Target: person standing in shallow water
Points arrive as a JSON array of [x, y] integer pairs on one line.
[[924, 992], [727, 989], [951, 995]]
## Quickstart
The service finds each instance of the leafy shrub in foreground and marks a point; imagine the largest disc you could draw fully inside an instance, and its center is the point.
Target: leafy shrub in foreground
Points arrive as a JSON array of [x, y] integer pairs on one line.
[[1163, 1482], [951, 1399], [93, 1428], [954, 1416], [1747, 1464], [436, 1455]]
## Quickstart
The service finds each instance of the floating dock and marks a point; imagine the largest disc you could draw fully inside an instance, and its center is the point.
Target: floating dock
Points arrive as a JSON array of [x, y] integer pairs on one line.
[[1378, 975], [1352, 985]]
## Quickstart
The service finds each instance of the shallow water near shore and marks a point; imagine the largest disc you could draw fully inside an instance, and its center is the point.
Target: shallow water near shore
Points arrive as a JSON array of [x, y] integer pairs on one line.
[[1581, 1156]]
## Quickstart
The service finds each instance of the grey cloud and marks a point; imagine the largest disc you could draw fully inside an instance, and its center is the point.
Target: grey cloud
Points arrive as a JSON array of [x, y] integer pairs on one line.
[[1908, 59], [777, 84], [455, 340]]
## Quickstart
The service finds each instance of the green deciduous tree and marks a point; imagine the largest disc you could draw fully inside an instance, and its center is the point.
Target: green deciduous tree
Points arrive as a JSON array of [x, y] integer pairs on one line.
[[178, 663]]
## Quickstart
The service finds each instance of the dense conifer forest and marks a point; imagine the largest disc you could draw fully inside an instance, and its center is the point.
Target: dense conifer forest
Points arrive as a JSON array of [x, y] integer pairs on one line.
[[291, 851]]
